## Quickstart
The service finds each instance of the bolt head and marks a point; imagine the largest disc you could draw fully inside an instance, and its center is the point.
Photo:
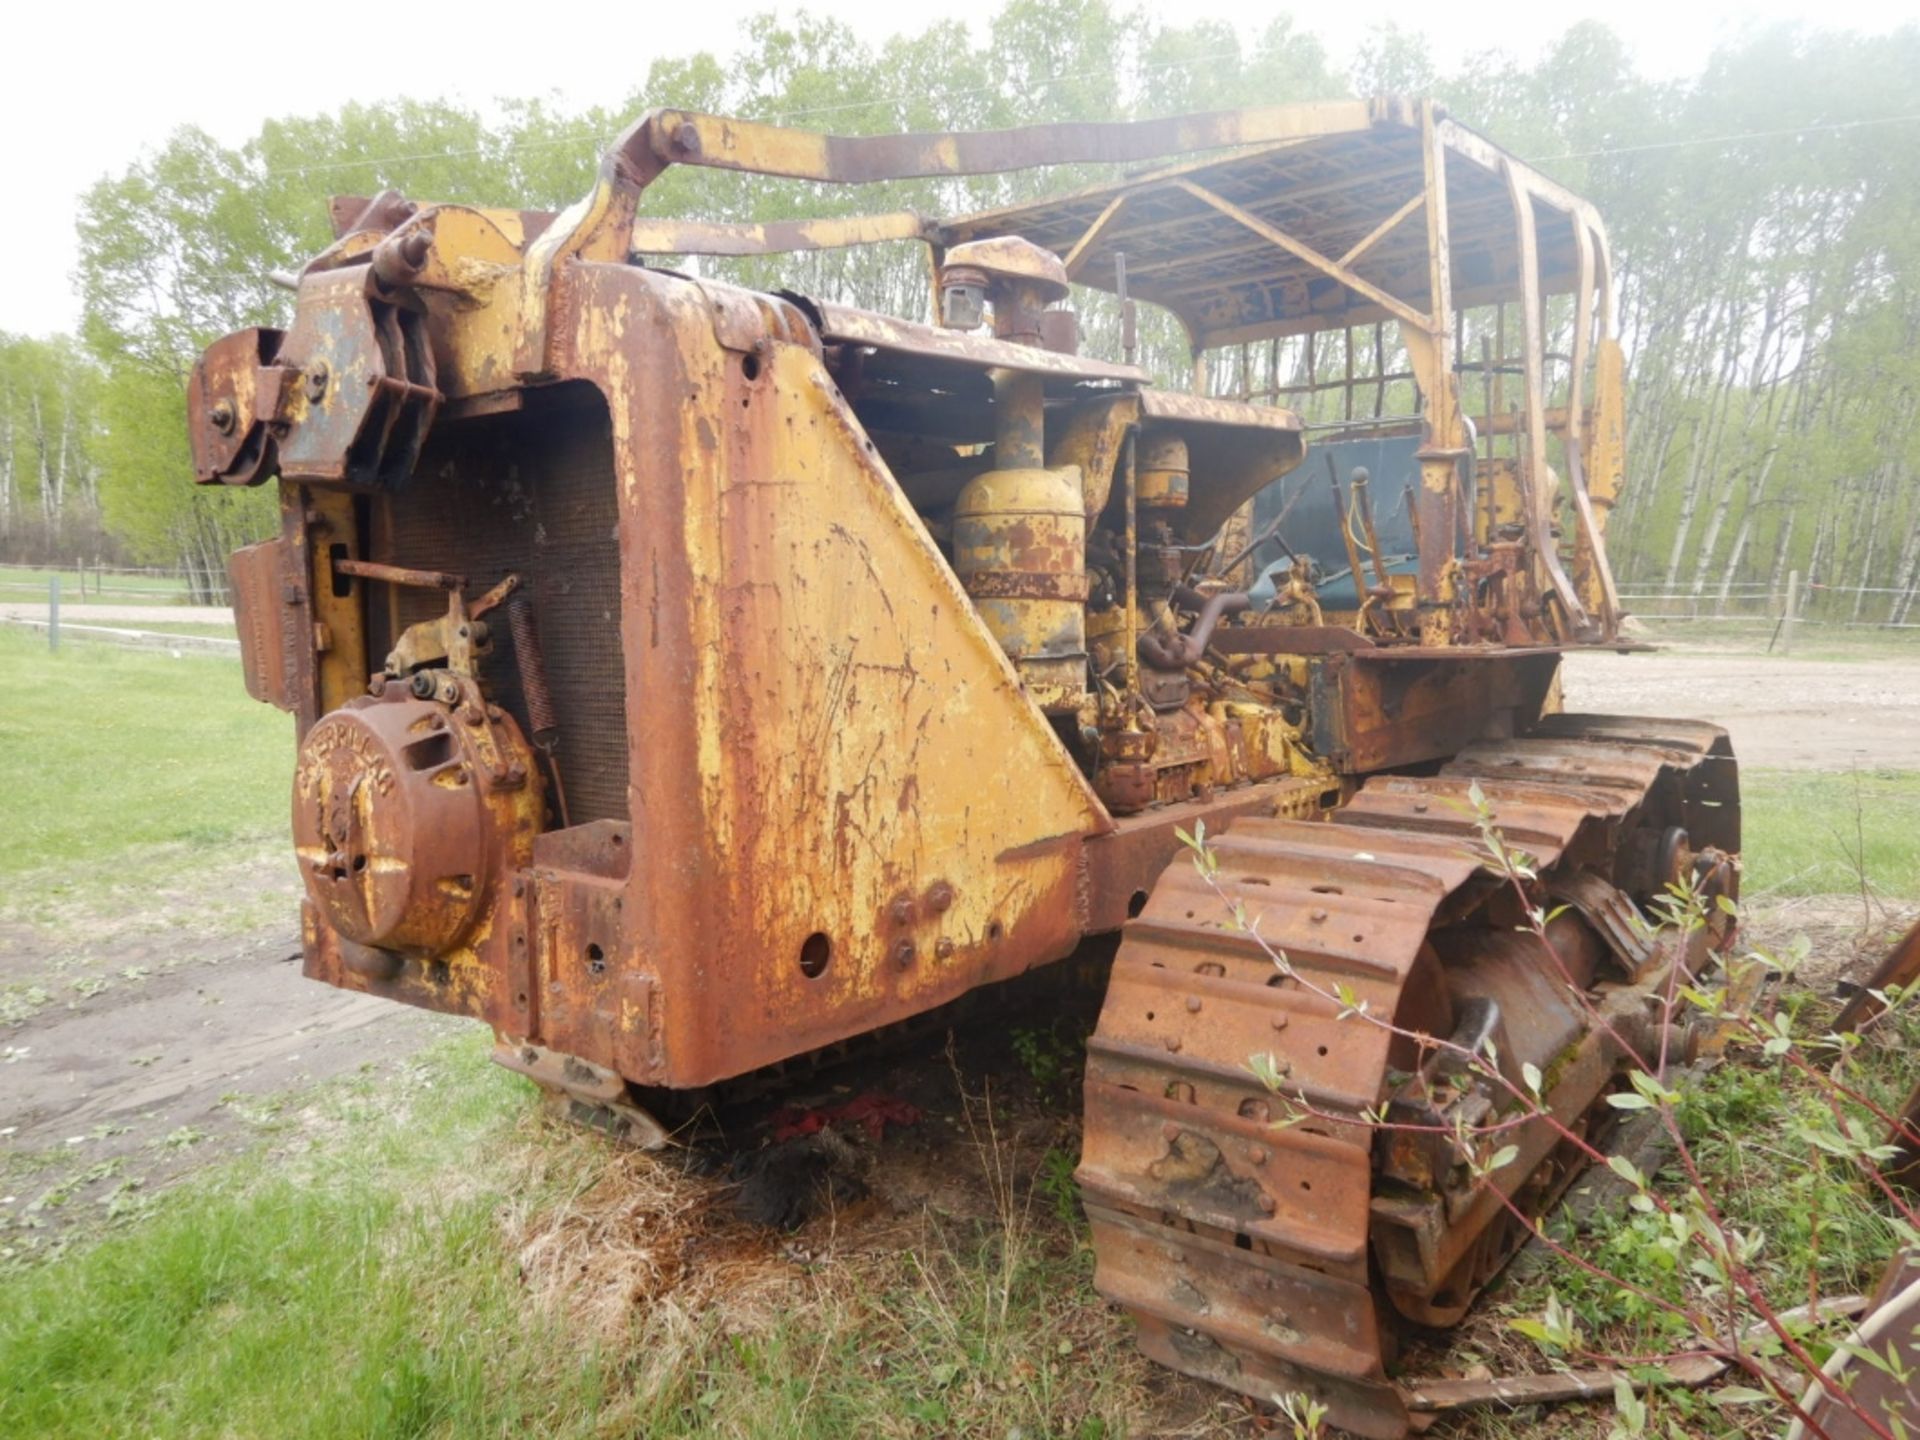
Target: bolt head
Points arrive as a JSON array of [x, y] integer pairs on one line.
[[943, 947], [222, 416], [1193, 1004], [903, 953], [901, 911], [1257, 1155], [1267, 1205], [421, 685], [940, 897], [1319, 917]]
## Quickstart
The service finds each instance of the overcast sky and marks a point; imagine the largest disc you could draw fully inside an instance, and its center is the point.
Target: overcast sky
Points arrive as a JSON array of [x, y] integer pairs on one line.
[[85, 88]]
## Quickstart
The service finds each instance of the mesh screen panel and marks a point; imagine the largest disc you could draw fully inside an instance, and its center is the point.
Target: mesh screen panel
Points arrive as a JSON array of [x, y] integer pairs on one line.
[[531, 492]]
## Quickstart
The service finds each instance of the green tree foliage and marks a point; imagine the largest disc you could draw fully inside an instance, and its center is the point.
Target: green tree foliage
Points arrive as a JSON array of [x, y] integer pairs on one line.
[[49, 449], [1762, 219], [1764, 239]]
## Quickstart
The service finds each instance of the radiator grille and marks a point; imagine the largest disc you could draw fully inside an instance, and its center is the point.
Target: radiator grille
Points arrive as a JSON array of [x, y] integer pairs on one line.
[[532, 492]]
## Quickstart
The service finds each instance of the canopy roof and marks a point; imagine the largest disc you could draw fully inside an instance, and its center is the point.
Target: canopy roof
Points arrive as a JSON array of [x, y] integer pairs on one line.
[[1237, 246], [1266, 221]]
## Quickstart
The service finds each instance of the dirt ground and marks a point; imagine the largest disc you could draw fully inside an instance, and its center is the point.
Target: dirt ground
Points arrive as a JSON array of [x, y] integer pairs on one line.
[[126, 614], [1783, 714], [200, 1036], [155, 1045]]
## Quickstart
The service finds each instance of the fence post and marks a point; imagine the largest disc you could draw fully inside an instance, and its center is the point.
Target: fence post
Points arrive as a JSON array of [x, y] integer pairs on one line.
[[53, 612], [1788, 615]]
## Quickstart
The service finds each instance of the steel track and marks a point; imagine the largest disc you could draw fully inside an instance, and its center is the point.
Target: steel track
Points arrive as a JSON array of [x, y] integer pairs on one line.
[[1276, 1259]]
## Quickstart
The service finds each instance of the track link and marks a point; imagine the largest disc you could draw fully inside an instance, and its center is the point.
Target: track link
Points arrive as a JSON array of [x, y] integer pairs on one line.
[[1271, 1259]]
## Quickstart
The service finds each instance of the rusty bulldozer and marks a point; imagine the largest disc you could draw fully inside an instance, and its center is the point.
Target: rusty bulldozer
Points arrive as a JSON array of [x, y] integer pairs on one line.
[[690, 680]]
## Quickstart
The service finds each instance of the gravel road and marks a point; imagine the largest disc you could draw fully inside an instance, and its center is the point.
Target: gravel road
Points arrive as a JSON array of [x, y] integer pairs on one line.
[[1783, 714], [122, 614]]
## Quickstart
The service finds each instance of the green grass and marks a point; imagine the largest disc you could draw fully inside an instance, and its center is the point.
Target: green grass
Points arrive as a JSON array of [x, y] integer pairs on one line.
[[175, 627], [343, 1298], [28, 585], [1811, 641], [381, 1286], [387, 1280], [1762, 1135], [75, 628], [105, 750], [1807, 833]]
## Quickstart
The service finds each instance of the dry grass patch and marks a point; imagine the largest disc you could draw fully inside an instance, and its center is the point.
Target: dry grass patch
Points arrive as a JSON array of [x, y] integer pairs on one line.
[[952, 1300], [629, 1235]]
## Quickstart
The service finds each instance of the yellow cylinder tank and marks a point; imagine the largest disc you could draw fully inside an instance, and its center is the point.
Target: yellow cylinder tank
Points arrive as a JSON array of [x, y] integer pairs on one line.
[[1019, 547], [1162, 483]]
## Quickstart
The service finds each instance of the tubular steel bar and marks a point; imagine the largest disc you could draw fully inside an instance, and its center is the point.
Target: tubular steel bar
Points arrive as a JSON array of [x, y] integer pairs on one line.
[[1445, 438], [1383, 229], [654, 236], [1305, 252], [1536, 473], [1077, 256], [683, 137]]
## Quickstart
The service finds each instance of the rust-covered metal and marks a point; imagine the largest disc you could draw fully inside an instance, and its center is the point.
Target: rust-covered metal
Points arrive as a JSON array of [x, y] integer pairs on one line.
[[690, 679], [1870, 1377], [1264, 1255], [263, 597], [1899, 969], [409, 811]]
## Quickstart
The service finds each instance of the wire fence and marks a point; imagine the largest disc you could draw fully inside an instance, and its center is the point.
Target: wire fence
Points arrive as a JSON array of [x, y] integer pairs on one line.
[[1864, 607], [1760, 614], [124, 584], [119, 605]]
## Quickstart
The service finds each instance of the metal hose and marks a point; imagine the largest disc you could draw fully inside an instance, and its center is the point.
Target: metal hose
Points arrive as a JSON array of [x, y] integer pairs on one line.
[[1162, 653]]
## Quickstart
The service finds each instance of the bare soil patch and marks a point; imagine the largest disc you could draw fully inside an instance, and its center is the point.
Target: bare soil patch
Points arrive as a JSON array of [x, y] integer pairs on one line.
[[150, 1044], [1783, 714]]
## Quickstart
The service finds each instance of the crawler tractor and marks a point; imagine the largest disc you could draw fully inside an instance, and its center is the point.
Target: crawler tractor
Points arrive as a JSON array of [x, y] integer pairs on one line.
[[691, 680]]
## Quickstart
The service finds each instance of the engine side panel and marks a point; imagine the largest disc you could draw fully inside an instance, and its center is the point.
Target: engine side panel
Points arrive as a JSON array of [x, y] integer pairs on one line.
[[845, 810]]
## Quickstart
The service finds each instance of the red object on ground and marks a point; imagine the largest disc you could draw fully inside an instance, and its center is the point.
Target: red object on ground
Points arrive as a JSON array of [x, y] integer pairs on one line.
[[871, 1112]]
